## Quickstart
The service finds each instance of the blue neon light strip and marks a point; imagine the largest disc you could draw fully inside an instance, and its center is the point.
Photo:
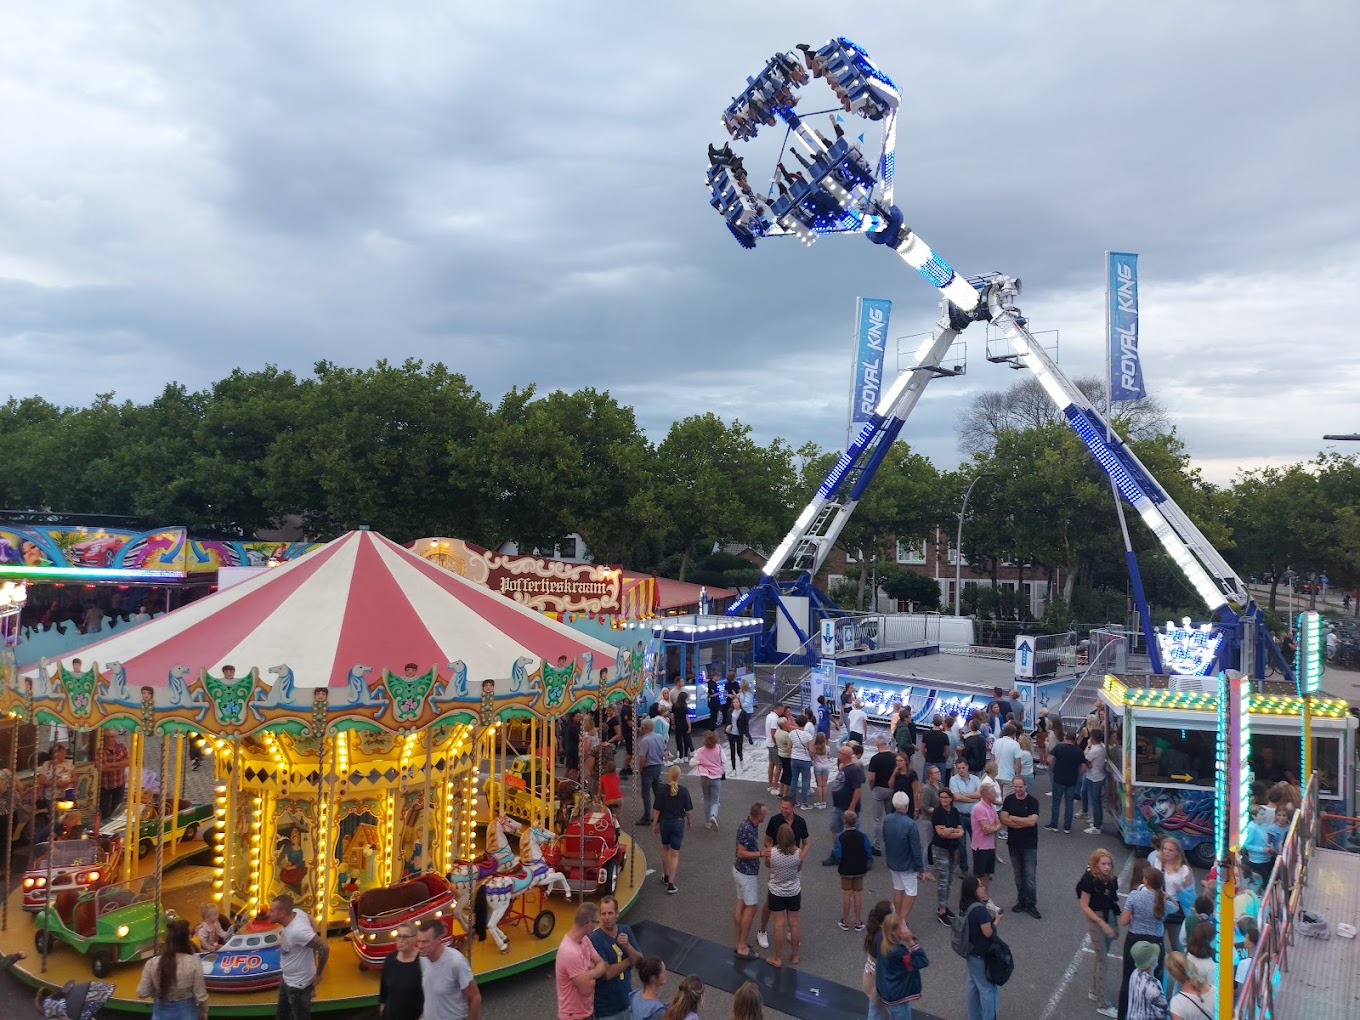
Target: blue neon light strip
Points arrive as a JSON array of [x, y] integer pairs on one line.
[[1107, 459], [88, 574], [838, 471], [1145, 481], [937, 270]]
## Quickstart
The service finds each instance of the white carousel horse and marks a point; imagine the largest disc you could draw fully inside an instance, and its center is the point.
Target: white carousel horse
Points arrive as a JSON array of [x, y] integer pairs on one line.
[[500, 890]]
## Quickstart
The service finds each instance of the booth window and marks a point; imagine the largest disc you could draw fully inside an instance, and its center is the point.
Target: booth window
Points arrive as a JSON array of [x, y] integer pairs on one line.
[[1275, 756], [1167, 751]]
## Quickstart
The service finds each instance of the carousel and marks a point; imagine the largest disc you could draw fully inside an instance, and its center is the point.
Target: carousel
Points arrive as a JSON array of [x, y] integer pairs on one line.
[[396, 764]]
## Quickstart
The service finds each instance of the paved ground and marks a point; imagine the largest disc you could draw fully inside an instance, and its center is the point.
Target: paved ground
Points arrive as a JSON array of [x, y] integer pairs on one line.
[[1053, 963]]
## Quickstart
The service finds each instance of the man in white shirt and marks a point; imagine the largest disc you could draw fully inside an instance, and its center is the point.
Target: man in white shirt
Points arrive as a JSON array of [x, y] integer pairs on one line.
[[857, 723], [772, 719], [1006, 751], [445, 977], [303, 954]]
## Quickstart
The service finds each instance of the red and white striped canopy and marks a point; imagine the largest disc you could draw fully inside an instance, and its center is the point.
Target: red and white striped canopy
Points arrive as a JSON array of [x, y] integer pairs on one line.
[[361, 599]]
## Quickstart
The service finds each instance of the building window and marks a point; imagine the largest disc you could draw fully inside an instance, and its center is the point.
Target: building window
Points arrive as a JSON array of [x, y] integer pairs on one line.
[[953, 556], [566, 549], [911, 551]]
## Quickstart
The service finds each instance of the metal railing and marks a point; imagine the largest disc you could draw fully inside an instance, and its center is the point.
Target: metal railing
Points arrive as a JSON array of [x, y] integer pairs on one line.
[[1280, 903], [1081, 700]]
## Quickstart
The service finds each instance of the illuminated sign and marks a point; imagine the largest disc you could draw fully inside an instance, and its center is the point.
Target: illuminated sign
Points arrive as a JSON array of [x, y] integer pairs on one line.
[[1308, 655], [1188, 650]]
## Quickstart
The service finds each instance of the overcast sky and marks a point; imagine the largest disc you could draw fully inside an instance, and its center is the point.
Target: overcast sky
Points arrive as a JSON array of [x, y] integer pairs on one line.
[[517, 190]]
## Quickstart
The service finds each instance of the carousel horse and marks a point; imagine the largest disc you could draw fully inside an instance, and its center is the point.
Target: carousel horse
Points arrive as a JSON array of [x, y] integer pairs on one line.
[[182, 697], [499, 859], [495, 894]]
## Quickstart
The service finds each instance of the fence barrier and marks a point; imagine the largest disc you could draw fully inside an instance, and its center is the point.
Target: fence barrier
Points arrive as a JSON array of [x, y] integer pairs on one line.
[[1280, 904]]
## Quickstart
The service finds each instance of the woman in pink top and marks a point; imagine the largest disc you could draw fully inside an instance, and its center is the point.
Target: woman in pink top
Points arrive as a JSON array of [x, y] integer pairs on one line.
[[708, 763], [986, 824]]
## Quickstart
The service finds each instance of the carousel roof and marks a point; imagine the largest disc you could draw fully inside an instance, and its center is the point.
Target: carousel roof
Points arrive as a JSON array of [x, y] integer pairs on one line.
[[361, 599]]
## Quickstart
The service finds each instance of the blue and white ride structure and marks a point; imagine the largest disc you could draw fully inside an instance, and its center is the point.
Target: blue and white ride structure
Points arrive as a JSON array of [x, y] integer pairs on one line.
[[839, 191]]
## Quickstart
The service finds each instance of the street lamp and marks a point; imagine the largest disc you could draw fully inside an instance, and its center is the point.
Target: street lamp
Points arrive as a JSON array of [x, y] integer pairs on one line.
[[958, 542]]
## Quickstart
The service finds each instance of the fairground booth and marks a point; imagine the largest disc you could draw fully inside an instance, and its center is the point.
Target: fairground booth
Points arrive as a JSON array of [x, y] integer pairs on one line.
[[361, 706]]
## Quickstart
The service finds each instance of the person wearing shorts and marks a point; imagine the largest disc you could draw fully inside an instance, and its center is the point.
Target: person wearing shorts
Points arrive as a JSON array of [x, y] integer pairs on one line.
[[785, 894], [853, 852], [902, 853], [746, 874], [674, 811], [985, 824]]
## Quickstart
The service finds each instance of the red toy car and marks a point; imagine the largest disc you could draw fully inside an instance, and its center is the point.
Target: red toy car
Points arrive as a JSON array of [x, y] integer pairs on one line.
[[375, 915], [589, 851], [76, 864]]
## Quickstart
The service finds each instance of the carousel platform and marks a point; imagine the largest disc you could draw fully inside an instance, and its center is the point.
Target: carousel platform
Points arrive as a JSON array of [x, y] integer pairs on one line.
[[343, 986]]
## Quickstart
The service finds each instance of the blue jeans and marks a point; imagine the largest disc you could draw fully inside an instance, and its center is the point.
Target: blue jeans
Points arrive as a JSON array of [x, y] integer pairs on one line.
[[1065, 795], [1095, 790], [1024, 862], [712, 793], [962, 862], [802, 781], [182, 1009], [898, 1010], [876, 1010], [651, 775], [981, 992]]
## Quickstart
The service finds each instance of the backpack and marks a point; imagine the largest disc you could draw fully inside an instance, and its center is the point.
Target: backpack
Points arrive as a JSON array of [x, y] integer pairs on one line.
[[958, 932], [998, 964]]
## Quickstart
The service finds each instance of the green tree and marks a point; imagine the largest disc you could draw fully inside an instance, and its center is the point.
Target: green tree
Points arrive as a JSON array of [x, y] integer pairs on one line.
[[570, 462], [714, 482], [909, 586]]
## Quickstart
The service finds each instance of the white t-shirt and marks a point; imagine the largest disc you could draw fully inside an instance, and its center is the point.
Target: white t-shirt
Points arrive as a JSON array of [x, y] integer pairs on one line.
[[298, 958], [771, 724], [443, 981], [1195, 1007], [800, 744], [1176, 880], [1095, 763], [858, 720], [1005, 750]]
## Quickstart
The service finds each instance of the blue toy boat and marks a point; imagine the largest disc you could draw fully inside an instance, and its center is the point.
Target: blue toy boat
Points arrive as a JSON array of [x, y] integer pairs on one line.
[[250, 961]]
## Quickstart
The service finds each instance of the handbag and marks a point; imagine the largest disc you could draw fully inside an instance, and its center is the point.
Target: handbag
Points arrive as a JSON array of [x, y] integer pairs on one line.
[[998, 964]]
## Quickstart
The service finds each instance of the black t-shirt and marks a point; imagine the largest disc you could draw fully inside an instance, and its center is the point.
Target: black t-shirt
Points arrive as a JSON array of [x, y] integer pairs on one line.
[[777, 822], [936, 744], [399, 989], [1103, 893], [950, 819], [904, 783], [883, 765], [672, 807], [978, 915], [854, 779], [1067, 763], [1026, 807], [975, 752]]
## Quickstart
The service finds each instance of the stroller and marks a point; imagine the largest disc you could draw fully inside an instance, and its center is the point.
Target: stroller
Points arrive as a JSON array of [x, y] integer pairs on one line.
[[77, 1000]]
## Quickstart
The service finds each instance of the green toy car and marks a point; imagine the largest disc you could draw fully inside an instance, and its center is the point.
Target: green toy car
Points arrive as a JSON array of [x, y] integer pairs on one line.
[[110, 925], [188, 821]]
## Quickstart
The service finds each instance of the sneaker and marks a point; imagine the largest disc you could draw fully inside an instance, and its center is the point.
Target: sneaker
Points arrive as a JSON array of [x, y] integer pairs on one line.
[[762, 940], [1050, 828], [1092, 830], [1067, 832], [1108, 1011], [670, 888], [858, 926], [829, 862], [947, 918], [1034, 913], [821, 805], [643, 821], [843, 926]]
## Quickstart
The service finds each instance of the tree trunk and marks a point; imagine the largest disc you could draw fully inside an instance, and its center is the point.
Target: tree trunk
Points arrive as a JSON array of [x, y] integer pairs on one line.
[[863, 579], [684, 559], [1070, 582]]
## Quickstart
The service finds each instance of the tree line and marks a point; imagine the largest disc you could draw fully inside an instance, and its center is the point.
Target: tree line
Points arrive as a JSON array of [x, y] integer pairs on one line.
[[413, 450]]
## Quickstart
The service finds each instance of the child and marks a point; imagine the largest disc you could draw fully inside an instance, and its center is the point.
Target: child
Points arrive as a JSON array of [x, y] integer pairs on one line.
[[853, 853], [821, 766], [211, 934], [1146, 1001], [685, 1005], [1277, 830]]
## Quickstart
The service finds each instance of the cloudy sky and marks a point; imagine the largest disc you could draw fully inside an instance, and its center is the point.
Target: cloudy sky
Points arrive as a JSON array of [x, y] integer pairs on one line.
[[517, 190]]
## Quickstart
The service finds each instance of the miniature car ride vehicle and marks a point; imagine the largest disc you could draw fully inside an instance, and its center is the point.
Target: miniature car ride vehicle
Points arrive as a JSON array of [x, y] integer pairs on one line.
[[187, 823], [110, 925], [375, 914], [589, 851], [526, 786], [68, 865], [249, 961]]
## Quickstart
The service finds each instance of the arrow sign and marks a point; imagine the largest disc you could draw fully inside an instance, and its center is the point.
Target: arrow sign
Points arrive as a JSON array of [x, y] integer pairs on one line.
[[1024, 651], [1182, 777]]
